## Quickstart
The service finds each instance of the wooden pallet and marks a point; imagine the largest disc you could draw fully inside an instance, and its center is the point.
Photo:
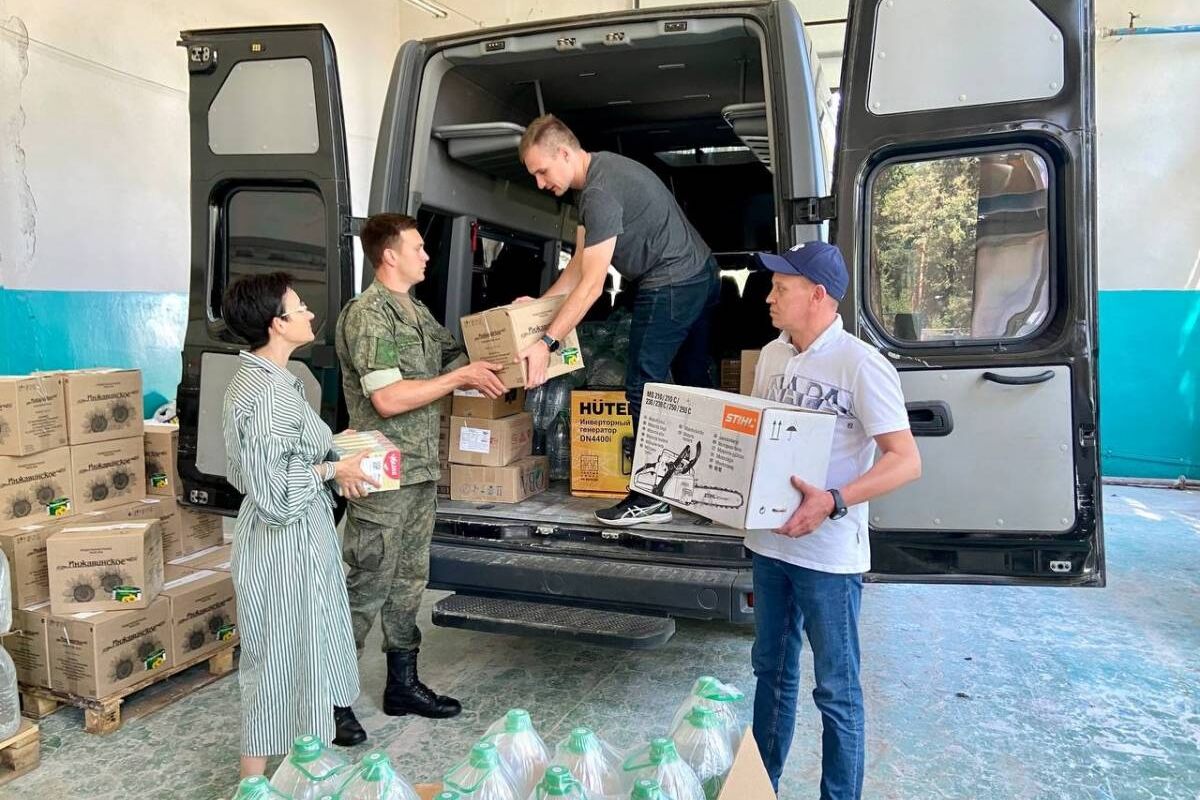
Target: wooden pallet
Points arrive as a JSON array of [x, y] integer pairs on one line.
[[106, 715], [20, 753]]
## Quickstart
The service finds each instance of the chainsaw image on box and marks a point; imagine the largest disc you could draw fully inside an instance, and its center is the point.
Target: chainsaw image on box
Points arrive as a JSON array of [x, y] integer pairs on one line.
[[672, 477]]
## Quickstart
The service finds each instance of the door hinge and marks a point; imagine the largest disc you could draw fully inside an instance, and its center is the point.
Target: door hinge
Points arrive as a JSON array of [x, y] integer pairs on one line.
[[1087, 436], [353, 225], [813, 210]]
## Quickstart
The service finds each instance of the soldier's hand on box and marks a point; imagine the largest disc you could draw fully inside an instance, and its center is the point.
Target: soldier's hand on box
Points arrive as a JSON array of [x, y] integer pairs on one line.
[[481, 375], [816, 504], [537, 363], [350, 476]]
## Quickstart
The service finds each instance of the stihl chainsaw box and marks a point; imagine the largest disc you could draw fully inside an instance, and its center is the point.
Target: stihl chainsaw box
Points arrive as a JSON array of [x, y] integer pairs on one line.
[[726, 456]]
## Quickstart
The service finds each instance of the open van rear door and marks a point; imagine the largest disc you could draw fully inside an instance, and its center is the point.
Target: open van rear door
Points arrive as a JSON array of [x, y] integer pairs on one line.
[[269, 191], [965, 196]]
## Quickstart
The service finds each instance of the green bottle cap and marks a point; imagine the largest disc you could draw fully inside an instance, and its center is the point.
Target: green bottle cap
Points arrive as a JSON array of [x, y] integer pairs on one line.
[[662, 751], [306, 749], [710, 688], [448, 795], [484, 755], [517, 720], [646, 789], [375, 768], [557, 782], [255, 788], [701, 717], [581, 741]]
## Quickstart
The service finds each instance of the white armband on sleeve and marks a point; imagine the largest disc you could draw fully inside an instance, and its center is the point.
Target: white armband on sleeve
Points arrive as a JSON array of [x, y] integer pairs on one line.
[[374, 381]]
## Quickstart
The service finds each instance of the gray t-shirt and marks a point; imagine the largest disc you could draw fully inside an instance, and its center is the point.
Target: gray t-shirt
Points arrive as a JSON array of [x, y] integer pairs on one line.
[[656, 245]]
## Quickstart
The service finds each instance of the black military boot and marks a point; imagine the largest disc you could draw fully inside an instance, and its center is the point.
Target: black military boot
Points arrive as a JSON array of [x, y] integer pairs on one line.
[[349, 732], [405, 694]]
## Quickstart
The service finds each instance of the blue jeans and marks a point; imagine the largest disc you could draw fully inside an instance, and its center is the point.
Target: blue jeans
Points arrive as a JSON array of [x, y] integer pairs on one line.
[[789, 601], [669, 336]]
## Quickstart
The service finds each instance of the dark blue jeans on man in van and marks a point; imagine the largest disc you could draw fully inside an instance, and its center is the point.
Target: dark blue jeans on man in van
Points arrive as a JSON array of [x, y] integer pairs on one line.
[[669, 336], [789, 603]]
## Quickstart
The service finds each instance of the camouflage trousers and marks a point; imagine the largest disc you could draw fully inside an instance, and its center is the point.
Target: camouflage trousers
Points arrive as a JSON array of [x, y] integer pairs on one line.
[[389, 563]]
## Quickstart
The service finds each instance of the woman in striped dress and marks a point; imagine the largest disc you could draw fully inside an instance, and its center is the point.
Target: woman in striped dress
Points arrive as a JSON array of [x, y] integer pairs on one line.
[[298, 671]]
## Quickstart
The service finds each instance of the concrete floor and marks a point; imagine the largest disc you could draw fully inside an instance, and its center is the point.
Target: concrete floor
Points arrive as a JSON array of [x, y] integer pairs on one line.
[[972, 692]]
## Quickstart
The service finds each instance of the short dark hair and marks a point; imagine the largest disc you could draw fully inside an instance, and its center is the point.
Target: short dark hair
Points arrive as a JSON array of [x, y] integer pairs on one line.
[[252, 303], [380, 230]]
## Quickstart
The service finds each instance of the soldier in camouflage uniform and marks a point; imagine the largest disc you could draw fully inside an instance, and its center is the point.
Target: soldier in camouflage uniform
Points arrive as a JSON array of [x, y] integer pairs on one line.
[[397, 363]]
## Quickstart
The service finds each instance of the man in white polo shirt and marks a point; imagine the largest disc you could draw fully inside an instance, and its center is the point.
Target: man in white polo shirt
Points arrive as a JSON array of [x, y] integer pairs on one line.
[[808, 574]]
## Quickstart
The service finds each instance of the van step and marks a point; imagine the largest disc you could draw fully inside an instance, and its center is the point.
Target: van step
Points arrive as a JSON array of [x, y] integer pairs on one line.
[[522, 618]]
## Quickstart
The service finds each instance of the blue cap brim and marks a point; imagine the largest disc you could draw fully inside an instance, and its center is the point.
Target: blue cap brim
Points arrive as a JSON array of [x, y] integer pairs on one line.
[[775, 263]]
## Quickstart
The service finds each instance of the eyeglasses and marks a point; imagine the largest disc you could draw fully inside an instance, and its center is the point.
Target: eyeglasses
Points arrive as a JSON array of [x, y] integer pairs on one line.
[[297, 310]]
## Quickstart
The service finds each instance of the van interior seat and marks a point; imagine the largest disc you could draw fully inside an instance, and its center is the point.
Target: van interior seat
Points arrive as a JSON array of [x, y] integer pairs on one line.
[[749, 122], [487, 146]]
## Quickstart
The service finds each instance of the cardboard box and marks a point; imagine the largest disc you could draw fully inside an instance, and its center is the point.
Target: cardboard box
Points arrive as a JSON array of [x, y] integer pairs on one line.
[[102, 404], [383, 462], [33, 414], [106, 567], [499, 334], [109, 473], [747, 778], [601, 444], [749, 364], [490, 442], [473, 403], [184, 530], [203, 614], [35, 488], [510, 484], [216, 558], [96, 654], [201, 530], [162, 453], [25, 549], [726, 457], [28, 645]]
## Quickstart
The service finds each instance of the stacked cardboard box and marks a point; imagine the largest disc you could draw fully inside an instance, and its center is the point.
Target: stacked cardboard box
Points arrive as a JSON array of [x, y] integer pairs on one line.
[[35, 464], [104, 429], [499, 334], [491, 449]]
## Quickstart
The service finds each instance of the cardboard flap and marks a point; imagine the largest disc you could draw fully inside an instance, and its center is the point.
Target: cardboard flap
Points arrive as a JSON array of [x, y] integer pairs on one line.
[[748, 779]]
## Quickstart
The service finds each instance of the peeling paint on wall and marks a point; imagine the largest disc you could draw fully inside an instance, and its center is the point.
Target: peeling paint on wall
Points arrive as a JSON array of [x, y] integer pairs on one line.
[[18, 221]]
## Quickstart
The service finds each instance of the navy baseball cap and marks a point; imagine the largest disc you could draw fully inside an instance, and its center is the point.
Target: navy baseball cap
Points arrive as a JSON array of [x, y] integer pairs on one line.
[[819, 262]]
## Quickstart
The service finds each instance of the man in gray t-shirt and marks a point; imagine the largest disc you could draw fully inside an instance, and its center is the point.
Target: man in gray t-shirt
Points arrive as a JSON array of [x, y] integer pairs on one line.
[[630, 220]]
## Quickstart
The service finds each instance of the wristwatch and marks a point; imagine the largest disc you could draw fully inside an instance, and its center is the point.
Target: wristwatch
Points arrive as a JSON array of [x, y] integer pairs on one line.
[[551, 343], [839, 505]]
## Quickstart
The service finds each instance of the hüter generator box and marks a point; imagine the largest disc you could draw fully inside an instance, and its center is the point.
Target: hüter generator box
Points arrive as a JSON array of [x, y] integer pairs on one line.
[[105, 567], [109, 473], [102, 404], [162, 451], [95, 654], [500, 334], [203, 613], [33, 415], [383, 461], [601, 444], [36, 488], [727, 457]]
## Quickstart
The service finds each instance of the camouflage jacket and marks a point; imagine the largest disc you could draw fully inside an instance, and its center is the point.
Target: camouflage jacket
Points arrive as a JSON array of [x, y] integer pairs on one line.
[[379, 342]]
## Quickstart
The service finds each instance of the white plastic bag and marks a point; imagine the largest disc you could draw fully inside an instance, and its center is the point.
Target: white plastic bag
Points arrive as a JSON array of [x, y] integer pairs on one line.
[[593, 762], [660, 761], [520, 748], [702, 742]]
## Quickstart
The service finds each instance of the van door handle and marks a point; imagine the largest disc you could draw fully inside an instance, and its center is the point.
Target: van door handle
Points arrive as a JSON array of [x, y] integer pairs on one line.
[[1019, 380], [929, 418]]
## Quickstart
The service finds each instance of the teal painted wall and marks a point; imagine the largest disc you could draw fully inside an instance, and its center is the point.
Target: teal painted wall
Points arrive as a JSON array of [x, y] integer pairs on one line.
[[64, 330], [1149, 361], [1150, 383]]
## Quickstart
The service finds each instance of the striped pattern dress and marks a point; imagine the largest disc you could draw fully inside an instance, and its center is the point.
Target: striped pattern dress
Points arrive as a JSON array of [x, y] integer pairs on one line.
[[298, 656]]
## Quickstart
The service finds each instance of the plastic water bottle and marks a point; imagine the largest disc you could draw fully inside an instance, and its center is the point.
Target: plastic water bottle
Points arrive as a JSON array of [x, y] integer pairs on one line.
[[520, 748], [593, 762], [374, 778], [482, 776], [660, 761], [447, 795], [258, 788], [701, 741], [5, 595], [557, 782], [558, 447], [720, 698], [10, 704], [310, 770], [647, 789]]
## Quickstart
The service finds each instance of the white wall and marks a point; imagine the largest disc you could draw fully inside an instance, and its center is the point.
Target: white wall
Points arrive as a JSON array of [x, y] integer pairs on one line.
[[100, 116], [1147, 121]]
